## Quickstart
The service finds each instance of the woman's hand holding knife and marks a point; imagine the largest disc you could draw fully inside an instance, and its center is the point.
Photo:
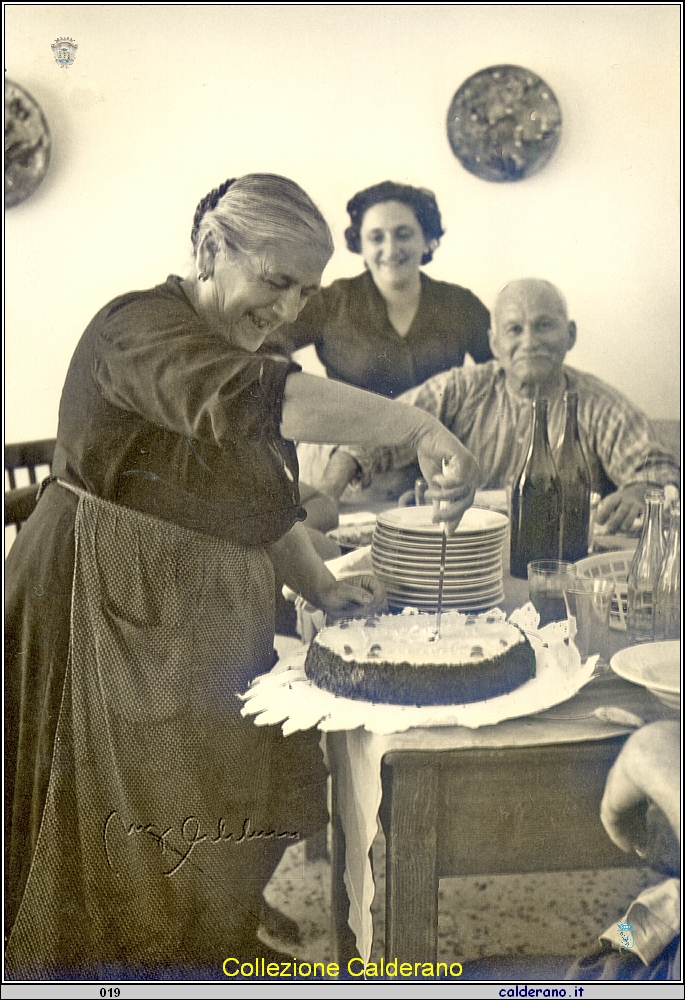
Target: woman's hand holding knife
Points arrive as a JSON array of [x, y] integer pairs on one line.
[[316, 409], [452, 472]]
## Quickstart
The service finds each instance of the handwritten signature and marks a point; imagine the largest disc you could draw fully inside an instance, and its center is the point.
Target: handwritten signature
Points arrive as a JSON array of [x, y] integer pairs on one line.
[[190, 835]]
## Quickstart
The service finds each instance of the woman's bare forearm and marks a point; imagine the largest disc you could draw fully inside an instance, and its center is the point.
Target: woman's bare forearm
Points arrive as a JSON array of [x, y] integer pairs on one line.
[[295, 558], [319, 410], [296, 561], [327, 412]]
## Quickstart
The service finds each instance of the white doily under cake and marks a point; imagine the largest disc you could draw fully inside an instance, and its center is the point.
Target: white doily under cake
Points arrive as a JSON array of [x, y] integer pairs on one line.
[[286, 696]]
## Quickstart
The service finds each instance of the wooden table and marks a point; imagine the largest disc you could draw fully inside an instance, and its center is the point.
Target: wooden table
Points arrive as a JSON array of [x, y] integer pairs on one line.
[[483, 811], [487, 812]]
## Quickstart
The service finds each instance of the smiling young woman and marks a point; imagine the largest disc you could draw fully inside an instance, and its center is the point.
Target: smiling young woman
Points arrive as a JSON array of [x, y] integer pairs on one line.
[[392, 327], [393, 247]]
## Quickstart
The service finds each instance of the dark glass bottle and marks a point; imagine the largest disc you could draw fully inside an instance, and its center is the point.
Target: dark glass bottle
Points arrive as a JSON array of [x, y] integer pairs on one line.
[[644, 571], [575, 483], [536, 501]]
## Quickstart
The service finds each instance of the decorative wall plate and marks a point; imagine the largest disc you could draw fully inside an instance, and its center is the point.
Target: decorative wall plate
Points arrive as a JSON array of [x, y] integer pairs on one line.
[[504, 123], [27, 144]]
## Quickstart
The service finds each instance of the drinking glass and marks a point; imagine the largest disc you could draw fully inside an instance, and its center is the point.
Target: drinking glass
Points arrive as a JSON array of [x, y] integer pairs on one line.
[[546, 581], [588, 602]]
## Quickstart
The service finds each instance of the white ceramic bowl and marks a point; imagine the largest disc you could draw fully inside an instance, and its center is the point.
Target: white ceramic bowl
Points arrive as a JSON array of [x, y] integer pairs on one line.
[[654, 665]]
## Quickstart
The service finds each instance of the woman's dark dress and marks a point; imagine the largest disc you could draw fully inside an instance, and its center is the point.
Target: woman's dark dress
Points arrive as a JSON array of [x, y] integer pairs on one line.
[[149, 813]]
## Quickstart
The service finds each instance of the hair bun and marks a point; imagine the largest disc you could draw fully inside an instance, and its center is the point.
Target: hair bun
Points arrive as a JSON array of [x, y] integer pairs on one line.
[[208, 204], [263, 211]]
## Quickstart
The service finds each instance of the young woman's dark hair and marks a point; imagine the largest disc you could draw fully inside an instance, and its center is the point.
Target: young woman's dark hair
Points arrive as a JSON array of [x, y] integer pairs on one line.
[[421, 201]]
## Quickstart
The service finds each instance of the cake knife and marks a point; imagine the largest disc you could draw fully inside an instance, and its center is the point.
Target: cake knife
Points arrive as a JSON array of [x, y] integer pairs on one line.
[[443, 556]]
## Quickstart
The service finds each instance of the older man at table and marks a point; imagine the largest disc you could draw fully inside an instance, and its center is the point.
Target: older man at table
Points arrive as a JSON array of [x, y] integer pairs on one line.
[[488, 408]]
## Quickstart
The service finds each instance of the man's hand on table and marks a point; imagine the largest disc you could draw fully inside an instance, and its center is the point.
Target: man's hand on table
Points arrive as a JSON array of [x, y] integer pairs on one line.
[[618, 511], [322, 508], [340, 471]]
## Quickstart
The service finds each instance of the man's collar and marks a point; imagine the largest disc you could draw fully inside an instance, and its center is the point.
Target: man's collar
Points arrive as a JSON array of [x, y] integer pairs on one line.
[[522, 397]]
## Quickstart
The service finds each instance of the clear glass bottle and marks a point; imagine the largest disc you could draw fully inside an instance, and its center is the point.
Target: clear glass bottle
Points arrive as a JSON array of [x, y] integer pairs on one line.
[[667, 610], [536, 501], [575, 482], [644, 571]]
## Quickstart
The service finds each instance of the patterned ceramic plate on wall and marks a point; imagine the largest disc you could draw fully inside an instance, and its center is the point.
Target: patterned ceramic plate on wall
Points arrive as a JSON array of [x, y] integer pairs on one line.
[[27, 144], [504, 123]]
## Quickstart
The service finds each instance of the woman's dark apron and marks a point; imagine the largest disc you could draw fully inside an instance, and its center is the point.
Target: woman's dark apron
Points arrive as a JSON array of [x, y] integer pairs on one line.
[[166, 811]]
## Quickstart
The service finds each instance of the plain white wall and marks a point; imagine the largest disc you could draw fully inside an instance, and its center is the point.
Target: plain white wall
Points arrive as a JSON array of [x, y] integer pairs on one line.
[[164, 102]]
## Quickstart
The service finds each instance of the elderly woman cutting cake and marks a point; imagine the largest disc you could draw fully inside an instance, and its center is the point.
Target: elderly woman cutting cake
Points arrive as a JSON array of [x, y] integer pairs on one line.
[[144, 814]]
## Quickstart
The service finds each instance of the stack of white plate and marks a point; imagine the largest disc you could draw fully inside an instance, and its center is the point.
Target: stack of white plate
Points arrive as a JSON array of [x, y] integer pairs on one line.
[[406, 550]]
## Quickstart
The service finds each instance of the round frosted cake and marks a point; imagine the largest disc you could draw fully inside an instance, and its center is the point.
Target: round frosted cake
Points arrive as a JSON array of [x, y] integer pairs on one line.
[[396, 659]]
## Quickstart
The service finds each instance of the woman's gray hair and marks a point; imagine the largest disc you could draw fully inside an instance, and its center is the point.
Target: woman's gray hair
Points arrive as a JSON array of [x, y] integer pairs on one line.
[[251, 214]]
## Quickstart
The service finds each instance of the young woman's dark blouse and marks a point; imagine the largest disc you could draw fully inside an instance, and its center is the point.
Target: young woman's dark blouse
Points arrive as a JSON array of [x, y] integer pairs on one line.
[[356, 342]]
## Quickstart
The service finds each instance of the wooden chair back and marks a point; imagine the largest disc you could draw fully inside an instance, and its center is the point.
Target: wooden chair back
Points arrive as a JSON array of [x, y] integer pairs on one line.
[[21, 463]]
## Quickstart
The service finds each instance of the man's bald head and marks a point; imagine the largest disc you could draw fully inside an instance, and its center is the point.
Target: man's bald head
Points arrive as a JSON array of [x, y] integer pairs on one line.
[[531, 334], [532, 289]]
